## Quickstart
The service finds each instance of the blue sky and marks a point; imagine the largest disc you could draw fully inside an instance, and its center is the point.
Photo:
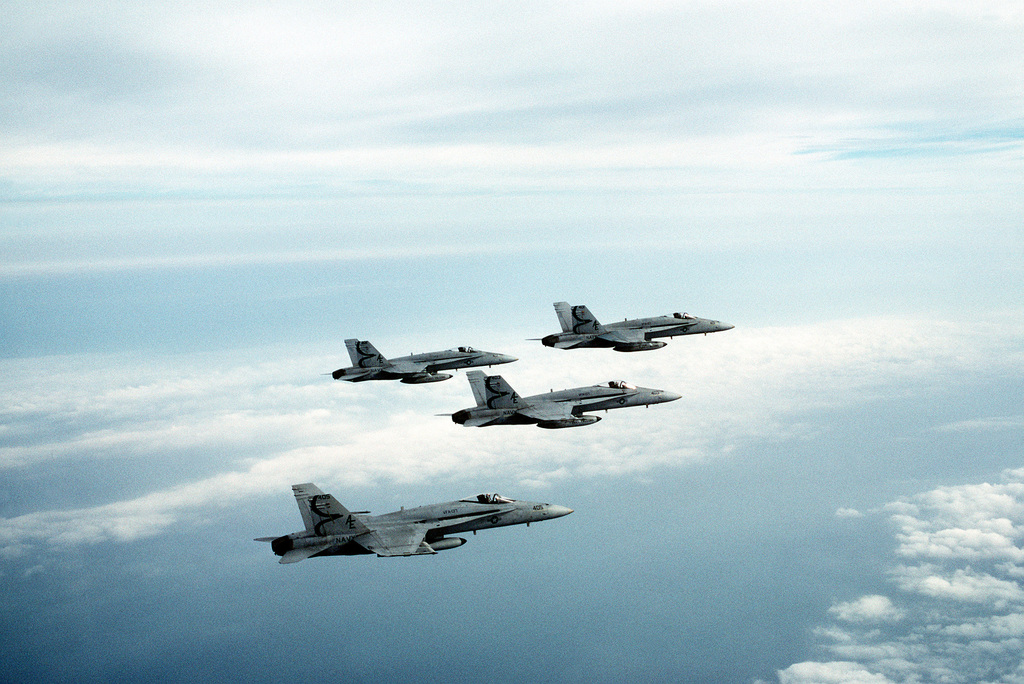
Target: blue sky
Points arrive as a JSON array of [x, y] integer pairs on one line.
[[199, 204]]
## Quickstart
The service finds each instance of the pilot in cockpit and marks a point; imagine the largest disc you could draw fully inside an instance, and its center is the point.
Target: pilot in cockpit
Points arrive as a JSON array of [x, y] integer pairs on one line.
[[492, 498]]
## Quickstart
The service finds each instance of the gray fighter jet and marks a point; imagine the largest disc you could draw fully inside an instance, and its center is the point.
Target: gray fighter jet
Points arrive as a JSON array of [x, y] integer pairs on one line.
[[581, 329], [332, 530], [370, 364], [498, 404]]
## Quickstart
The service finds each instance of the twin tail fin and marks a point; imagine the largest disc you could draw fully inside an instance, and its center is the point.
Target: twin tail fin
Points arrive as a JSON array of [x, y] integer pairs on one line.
[[364, 354], [491, 391], [576, 319], [324, 515]]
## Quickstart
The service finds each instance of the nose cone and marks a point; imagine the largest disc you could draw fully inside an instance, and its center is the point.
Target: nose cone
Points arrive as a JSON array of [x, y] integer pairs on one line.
[[667, 396], [505, 358], [720, 326], [553, 511]]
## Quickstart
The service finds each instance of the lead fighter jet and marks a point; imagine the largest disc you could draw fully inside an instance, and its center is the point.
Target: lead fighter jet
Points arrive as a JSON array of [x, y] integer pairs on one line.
[[370, 364], [332, 530], [498, 404], [581, 329]]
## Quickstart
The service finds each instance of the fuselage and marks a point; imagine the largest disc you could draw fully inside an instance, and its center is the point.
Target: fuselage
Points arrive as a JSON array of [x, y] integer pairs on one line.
[[670, 326], [635, 334], [604, 397], [422, 368], [611, 395], [465, 515], [453, 359]]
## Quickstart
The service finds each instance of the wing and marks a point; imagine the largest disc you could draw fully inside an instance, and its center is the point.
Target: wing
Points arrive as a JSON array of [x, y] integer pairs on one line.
[[407, 367], [400, 540], [549, 410], [623, 336]]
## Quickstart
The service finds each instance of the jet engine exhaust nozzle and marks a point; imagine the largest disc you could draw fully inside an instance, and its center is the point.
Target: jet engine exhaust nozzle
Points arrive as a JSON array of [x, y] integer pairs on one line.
[[282, 545]]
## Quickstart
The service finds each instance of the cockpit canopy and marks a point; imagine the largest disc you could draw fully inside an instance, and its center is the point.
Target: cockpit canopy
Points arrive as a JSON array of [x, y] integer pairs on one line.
[[490, 498], [621, 384], [683, 315], [467, 350]]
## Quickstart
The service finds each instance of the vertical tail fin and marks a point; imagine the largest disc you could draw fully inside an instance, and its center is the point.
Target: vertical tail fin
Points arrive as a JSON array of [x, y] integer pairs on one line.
[[476, 381], [492, 391], [323, 514], [564, 314], [364, 354], [576, 319]]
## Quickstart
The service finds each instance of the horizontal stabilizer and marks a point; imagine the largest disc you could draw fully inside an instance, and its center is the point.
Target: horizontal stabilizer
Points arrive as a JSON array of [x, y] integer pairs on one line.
[[296, 555], [355, 374], [478, 421]]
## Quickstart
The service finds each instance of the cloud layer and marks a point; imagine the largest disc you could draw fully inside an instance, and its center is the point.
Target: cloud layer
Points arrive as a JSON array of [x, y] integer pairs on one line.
[[256, 427], [957, 608], [441, 95]]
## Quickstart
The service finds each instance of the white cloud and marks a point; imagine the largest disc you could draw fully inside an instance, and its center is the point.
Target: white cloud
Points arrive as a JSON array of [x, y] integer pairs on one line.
[[960, 617], [837, 672], [962, 543], [962, 584], [503, 96], [971, 522], [991, 627], [984, 424], [259, 425], [127, 263], [871, 608]]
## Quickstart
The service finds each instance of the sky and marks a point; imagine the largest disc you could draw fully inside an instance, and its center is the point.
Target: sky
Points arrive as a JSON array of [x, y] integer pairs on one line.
[[200, 203]]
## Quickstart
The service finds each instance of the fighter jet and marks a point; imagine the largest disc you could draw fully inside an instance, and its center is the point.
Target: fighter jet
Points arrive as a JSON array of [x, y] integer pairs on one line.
[[370, 364], [581, 329], [498, 404], [332, 530]]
